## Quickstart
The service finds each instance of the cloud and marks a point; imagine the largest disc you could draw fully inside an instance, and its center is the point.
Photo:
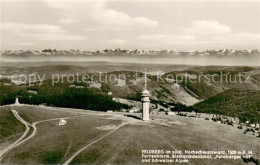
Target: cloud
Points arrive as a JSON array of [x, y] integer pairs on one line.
[[168, 37], [107, 29], [239, 39], [33, 28], [216, 34], [25, 43], [66, 21], [205, 34], [104, 24], [53, 36], [91, 29], [97, 14], [39, 31], [207, 27], [166, 40], [117, 41]]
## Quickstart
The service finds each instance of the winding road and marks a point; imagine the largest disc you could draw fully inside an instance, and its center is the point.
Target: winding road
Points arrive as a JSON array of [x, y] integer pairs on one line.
[[22, 139], [27, 125]]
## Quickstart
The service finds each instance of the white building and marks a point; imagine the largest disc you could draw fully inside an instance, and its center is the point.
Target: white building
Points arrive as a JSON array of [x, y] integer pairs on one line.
[[170, 113], [145, 102], [32, 92], [62, 122], [131, 111], [134, 110]]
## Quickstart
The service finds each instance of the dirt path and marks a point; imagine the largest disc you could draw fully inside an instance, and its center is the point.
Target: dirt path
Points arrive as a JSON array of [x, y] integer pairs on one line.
[[22, 139], [35, 129], [27, 125]]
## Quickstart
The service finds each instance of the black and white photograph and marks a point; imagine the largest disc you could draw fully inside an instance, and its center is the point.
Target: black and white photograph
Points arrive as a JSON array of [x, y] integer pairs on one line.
[[130, 82]]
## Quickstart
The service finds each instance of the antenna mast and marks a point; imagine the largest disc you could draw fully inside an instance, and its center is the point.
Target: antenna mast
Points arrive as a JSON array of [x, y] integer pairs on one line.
[[145, 78]]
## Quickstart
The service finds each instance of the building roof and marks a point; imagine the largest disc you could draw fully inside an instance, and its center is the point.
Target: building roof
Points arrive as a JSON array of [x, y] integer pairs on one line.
[[145, 92]]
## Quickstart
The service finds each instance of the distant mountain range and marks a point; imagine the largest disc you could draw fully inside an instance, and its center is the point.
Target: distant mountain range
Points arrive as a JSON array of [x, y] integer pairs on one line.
[[136, 52]]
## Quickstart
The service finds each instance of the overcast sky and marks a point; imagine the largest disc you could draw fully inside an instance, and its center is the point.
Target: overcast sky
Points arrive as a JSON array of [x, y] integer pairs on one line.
[[142, 24]]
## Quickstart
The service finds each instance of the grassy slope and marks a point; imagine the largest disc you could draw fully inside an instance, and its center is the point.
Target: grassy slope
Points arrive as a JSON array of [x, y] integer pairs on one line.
[[54, 144], [195, 135], [9, 125], [236, 103]]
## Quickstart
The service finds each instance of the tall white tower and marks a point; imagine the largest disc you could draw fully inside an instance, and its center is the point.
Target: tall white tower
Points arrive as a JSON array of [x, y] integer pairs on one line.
[[145, 101]]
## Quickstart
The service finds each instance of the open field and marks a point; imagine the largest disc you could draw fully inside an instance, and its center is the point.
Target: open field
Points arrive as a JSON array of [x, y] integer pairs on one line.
[[106, 141]]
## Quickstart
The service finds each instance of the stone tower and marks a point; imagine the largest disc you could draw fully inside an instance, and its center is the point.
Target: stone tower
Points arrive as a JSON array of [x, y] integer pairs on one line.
[[145, 102], [17, 101]]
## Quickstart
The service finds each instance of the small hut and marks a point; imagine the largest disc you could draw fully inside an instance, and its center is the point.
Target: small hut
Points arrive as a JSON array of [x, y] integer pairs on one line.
[[62, 122]]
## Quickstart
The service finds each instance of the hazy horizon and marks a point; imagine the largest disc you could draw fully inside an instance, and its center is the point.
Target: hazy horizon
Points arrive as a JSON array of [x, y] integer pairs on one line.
[[200, 50], [176, 60]]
